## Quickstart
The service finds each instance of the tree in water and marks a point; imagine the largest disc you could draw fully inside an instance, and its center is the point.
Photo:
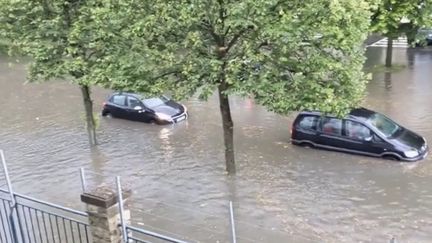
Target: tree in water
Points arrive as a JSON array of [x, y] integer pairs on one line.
[[287, 55], [396, 18], [59, 37]]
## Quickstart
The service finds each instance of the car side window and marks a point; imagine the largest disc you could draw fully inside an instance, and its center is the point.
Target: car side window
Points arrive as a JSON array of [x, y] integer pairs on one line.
[[119, 100], [332, 126], [308, 123], [377, 139], [132, 102], [357, 131]]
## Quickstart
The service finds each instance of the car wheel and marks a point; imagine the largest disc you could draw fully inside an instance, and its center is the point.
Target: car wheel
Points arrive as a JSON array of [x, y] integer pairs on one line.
[[106, 114], [306, 145], [391, 157]]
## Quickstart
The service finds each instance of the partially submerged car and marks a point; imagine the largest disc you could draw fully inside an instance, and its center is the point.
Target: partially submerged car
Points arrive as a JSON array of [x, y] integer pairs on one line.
[[362, 132], [135, 107], [424, 37]]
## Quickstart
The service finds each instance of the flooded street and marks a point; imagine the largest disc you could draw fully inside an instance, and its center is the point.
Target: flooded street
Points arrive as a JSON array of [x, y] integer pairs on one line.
[[282, 193]]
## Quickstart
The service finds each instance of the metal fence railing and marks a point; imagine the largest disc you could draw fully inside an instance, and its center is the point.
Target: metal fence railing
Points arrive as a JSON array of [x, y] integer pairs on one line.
[[36, 221], [24, 219], [136, 235], [6, 233]]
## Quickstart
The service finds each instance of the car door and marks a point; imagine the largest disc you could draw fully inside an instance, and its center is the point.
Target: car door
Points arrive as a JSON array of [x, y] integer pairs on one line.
[[361, 139], [135, 114], [132, 113], [118, 105], [330, 135]]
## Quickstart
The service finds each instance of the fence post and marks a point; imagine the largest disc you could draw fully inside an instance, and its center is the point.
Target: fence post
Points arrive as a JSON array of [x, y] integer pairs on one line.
[[104, 218], [83, 181], [233, 231], [121, 209], [13, 214]]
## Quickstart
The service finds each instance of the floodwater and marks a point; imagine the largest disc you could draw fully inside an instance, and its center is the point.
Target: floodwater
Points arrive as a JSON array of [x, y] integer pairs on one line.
[[281, 193]]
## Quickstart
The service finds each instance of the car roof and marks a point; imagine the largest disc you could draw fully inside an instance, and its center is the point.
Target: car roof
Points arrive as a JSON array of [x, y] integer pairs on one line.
[[123, 93], [361, 113], [425, 29], [138, 96]]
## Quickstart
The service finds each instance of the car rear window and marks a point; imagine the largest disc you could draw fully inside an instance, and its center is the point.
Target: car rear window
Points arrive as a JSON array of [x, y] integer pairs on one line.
[[308, 122], [119, 100]]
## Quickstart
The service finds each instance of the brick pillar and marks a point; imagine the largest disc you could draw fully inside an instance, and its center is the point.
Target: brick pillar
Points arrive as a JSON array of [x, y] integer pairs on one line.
[[104, 215]]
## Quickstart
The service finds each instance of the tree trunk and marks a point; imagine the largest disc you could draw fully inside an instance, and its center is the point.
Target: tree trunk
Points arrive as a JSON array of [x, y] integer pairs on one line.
[[228, 128], [90, 121], [389, 53]]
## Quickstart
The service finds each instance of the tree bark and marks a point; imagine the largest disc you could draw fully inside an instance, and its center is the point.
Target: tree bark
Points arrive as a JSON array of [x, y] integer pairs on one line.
[[228, 128], [389, 53], [90, 121]]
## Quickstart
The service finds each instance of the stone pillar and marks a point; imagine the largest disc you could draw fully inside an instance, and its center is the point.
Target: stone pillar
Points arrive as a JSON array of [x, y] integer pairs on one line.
[[104, 215]]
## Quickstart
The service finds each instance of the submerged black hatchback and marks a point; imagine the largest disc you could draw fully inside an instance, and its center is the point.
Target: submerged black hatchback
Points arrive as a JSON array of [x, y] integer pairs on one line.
[[362, 132], [135, 107]]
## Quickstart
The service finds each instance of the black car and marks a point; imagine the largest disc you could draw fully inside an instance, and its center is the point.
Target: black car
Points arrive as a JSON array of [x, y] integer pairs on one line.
[[362, 132], [424, 37], [159, 110]]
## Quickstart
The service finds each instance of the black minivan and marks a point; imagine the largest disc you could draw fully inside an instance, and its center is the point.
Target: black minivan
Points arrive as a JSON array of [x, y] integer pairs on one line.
[[362, 132]]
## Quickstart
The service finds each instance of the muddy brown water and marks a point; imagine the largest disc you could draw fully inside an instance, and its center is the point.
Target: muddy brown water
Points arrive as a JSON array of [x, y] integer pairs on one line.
[[281, 193]]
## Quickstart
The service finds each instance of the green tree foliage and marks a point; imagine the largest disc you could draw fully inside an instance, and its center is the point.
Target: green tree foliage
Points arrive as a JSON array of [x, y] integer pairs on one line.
[[60, 38], [394, 18], [287, 55]]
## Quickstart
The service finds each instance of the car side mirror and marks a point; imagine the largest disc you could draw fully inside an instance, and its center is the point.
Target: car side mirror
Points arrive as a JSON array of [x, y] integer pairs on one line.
[[368, 139], [138, 108]]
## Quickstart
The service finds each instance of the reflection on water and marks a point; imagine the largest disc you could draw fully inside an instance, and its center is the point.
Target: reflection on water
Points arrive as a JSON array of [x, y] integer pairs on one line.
[[388, 80], [282, 193], [166, 146]]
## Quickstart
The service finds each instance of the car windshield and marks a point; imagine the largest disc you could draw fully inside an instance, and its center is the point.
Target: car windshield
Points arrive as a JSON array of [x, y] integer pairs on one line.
[[383, 124], [155, 102]]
